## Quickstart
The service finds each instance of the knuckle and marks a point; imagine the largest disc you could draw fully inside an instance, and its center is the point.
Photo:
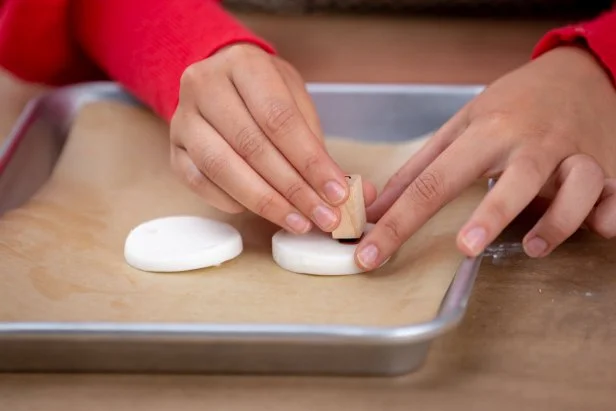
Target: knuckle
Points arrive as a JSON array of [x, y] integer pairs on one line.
[[279, 117], [233, 208], [265, 204], [399, 178], [604, 228], [548, 133], [590, 168], [212, 165], [194, 178], [426, 189], [311, 162], [606, 232], [175, 135], [391, 230], [498, 213], [555, 143], [238, 52], [249, 143], [190, 76], [287, 70], [397, 183], [179, 125], [294, 191], [557, 229], [498, 119], [532, 167], [282, 64]]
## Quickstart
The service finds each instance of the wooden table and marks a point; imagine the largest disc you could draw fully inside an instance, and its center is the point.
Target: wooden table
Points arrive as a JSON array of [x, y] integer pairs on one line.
[[538, 334]]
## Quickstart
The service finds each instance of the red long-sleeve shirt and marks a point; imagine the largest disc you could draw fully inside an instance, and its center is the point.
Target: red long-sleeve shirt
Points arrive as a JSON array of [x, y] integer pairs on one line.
[[146, 44], [143, 44]]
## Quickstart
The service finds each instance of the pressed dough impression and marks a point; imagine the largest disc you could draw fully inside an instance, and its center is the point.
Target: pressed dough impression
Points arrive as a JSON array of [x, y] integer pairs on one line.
[[181, 243]]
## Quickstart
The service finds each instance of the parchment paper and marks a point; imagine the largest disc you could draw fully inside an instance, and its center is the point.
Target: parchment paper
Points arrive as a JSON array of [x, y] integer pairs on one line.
[[62, 253]]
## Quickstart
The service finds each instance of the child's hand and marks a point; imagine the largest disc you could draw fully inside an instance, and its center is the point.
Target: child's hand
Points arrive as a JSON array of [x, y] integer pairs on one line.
[[548, 129], [246, 136]]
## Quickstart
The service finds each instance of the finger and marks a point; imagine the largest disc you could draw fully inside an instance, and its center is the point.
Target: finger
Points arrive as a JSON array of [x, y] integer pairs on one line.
[[369, 192], [277, 114], [513, 192], [440, 182], [302, 98], [230, 118], [194, 178], [409, 172], [602, 220], [220, 164], [306, 106], [581, 181]]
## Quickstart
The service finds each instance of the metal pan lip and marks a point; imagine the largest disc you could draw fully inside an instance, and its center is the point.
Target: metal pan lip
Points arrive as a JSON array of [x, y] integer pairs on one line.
[[450, 314]]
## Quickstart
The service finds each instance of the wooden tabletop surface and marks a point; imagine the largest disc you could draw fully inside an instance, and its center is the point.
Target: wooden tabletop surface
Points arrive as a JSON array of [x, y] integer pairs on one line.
[[538, 334]]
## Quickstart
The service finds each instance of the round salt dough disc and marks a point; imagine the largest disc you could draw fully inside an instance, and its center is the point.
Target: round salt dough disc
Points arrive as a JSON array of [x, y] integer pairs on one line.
[[315, 253], [181, 243]]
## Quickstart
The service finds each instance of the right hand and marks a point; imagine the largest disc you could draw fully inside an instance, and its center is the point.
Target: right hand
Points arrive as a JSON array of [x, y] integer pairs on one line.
[[246, 135]]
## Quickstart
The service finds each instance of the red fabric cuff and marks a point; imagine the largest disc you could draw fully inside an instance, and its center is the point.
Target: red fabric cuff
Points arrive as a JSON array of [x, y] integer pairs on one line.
[[147, 44], [598, 36]]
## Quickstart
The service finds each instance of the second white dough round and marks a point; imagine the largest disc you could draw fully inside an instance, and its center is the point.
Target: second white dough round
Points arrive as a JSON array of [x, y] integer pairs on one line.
[[315, 253], [181, 243]]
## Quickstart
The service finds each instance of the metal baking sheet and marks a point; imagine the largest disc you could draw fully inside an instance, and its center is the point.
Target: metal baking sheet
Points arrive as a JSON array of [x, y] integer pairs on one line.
[[392, 112]]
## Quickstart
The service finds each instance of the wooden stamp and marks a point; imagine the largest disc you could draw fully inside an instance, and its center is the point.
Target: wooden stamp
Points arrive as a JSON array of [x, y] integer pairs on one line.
[[352, 212]]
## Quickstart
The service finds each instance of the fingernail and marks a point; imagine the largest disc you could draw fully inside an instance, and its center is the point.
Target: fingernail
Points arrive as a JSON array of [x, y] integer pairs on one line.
[[297, 223], [324, 217], [535, 247], [474, 239], [367, 256], [334, 192]]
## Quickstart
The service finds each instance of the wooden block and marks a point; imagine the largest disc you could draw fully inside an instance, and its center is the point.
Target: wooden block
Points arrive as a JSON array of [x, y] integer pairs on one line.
[[353, 212]]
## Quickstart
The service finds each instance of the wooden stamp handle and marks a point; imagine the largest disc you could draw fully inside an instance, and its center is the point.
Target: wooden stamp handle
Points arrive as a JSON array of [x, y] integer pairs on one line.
[[353, 212]]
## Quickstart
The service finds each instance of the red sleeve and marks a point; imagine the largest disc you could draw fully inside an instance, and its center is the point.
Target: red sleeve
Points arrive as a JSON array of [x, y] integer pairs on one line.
[[143, 44], [147, 44], [598, 36], [36, 43]]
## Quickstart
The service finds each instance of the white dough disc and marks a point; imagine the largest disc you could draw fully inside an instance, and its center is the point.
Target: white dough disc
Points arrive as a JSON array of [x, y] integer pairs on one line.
[[181, 243], [315, 253]]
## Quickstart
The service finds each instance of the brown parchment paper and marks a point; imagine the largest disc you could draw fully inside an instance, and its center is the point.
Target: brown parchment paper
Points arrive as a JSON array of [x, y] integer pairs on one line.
[[62, 253]]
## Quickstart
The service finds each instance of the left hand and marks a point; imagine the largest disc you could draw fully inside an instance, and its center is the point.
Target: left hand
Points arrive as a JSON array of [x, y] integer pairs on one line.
[[546, 129]]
